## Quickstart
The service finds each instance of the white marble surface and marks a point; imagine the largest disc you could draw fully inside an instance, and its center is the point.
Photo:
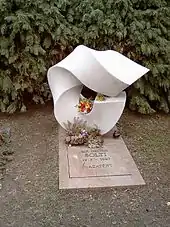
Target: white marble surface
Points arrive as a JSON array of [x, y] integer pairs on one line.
[[106, 72]]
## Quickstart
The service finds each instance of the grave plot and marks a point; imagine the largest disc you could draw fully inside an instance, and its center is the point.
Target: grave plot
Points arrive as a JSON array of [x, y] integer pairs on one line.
[[107, 166]]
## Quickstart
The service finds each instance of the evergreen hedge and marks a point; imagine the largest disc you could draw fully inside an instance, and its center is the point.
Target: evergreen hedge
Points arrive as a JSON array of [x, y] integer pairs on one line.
[[36, 34]]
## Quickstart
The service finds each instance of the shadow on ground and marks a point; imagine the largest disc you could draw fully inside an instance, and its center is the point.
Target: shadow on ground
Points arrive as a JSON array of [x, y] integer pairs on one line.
[[30, 196]]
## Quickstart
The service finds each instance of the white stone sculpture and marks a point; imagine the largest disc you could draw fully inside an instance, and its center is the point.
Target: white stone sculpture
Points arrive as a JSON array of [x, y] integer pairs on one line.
[[106, 72]]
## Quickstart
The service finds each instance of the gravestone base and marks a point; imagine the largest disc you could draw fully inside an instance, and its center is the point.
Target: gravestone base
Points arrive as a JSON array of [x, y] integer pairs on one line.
[[111, 165]]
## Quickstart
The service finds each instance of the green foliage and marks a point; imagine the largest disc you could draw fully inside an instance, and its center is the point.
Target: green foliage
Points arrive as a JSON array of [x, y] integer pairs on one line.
[[37, 34]]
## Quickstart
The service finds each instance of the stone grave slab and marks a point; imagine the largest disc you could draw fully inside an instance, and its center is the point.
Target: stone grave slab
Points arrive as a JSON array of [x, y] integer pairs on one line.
[[111, 165]]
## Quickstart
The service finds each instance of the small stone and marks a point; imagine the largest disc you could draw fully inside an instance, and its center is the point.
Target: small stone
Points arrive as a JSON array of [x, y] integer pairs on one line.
[[16, 178], [168, 204], [68, 139]]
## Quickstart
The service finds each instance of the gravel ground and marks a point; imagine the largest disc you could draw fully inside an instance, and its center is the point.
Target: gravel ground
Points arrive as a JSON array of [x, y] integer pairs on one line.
[[30, 197]]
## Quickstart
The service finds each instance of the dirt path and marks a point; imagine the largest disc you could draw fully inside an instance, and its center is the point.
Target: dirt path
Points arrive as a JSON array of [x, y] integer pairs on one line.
[[30, 197]]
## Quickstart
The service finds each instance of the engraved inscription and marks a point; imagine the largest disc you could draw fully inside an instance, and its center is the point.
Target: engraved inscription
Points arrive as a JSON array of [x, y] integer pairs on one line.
[[96, 159], [101, 166]]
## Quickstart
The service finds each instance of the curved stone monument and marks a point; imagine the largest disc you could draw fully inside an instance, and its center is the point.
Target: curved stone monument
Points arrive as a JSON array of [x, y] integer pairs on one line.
[[106, 72]]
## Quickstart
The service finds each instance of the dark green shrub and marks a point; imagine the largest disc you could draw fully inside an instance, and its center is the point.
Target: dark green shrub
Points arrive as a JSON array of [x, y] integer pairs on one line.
[[37, 34]]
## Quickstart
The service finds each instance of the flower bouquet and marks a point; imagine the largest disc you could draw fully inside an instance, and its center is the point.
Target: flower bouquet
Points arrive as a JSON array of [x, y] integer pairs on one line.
[[85, 105]]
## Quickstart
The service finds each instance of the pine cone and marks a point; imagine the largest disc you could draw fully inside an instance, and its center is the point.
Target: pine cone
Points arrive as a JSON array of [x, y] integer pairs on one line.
[[116, 134]]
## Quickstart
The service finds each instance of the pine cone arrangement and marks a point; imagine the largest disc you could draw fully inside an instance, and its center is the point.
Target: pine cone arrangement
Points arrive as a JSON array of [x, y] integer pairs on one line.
[[76, 140], [95, 142]]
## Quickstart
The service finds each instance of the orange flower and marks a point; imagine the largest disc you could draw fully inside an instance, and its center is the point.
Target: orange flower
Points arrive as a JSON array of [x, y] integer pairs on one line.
[[84, 106]]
